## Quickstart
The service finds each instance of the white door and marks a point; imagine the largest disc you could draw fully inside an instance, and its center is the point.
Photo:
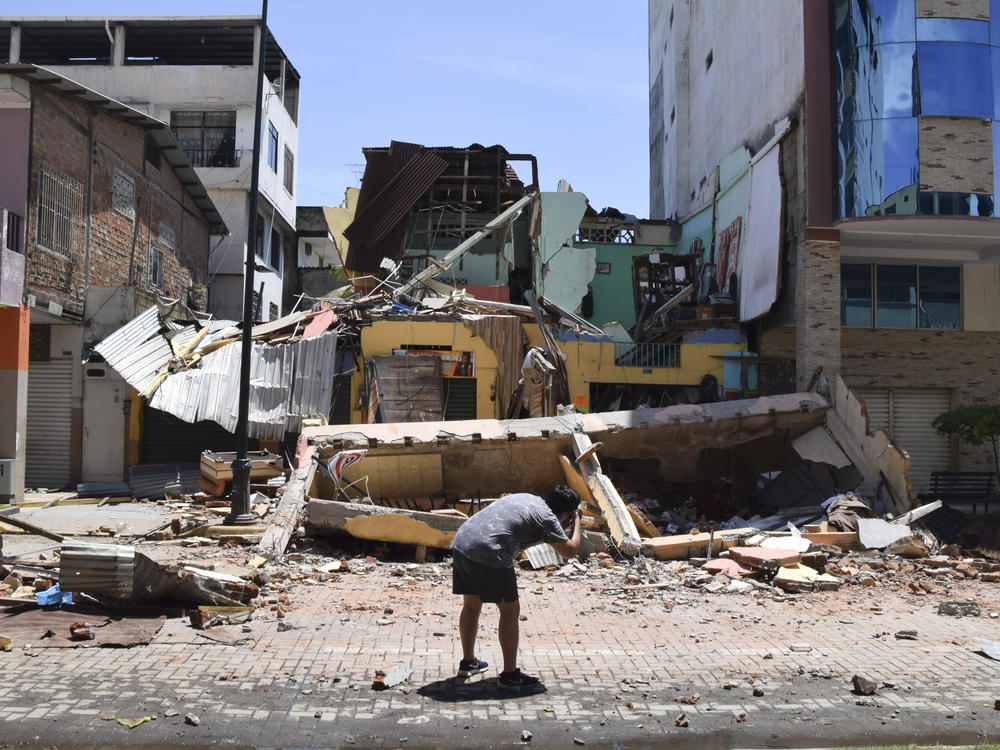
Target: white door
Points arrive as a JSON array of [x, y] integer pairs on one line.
[[906, 415], [104, 394]]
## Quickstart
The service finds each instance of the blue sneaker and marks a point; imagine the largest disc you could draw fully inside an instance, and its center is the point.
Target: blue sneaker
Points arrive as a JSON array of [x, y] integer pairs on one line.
[[469, 667]]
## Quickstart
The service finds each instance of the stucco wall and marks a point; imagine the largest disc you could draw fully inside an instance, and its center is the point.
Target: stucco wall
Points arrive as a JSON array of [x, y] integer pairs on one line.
[[712, 113]]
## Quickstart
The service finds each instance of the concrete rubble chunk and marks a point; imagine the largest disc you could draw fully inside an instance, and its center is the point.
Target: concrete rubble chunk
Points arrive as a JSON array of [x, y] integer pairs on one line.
[[769, 559], [390, 676], [874, 533], [960, 609], [909, 546], [864, 685]]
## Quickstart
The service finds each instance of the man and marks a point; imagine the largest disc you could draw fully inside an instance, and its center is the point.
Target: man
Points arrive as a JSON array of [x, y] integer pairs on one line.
[[483, 554]]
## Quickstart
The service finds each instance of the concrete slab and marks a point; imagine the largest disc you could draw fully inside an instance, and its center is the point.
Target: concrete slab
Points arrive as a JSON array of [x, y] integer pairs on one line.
[[874, 533]]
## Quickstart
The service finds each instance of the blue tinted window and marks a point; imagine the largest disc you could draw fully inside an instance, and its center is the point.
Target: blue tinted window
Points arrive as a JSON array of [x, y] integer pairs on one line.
[[877, 162], [952, 30], [995, 23], [939, 298], [996, 162], [876, 21], [856, 294], [955, 79], [875, 82], [995, 71], [896, 296]]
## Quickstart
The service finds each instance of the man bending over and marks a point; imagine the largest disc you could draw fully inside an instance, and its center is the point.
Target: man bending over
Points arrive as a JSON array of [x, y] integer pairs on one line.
[[483, 553]]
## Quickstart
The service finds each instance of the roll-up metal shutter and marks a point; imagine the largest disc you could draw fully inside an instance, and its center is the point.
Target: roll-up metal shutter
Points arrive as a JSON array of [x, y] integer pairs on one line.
[[50, 424], [877, 405], [912, 414], [166, 439], [459, 398], [907, 415]]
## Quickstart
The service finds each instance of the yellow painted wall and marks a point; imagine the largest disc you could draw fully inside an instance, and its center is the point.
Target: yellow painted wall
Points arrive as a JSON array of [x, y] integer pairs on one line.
[[382, 336], [586, 361], [594, 362], [981, 298]]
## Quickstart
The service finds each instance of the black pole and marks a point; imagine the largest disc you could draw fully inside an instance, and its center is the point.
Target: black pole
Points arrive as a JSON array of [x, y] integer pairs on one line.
[[239, 496]]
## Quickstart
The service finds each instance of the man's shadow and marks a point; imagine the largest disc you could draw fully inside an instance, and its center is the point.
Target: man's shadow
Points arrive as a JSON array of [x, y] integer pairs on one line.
[[461, 689]]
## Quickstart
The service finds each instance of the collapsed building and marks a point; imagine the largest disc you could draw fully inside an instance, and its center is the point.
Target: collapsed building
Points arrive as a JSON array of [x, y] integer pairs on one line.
[[460, 388]]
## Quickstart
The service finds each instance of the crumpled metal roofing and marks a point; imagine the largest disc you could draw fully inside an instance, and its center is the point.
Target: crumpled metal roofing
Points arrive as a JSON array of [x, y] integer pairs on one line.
[[136, 350], [288, 382]]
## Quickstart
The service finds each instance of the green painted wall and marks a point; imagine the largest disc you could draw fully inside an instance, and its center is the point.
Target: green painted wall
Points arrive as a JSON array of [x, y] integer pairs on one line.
[[613, 297]]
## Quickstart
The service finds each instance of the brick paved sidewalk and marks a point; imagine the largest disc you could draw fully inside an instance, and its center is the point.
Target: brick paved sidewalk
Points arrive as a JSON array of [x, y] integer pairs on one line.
[[617, 666]]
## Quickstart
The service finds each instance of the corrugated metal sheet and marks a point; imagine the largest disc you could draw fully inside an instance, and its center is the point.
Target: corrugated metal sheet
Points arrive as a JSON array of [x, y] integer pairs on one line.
[[137, 351], [313, 384], [102, 489], [287, 383], [384, 203], [151, 480], [96, 568], [542, 555]]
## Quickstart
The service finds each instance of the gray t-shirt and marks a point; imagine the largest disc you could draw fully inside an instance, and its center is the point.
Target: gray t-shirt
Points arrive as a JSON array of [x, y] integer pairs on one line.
[[501, 531]]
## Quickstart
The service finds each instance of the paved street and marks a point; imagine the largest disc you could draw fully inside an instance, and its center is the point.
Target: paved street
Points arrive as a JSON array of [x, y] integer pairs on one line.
[[619, 666]]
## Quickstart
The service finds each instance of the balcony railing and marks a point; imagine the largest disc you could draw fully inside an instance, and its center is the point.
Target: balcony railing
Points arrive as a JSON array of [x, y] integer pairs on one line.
[[213, 157], [649, 356]]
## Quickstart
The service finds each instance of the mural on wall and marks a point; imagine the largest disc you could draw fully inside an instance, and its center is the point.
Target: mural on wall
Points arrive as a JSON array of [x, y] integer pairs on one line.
[[727, 255], [454, 364]]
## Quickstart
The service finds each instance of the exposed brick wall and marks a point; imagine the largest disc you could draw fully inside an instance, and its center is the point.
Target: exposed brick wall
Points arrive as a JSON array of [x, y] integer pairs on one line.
[[956, 155], [977, 10], [965, 362], [119, 251], [817, 311]]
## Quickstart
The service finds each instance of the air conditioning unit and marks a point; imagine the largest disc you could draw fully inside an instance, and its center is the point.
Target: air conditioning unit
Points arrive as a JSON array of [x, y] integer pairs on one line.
[[7, 466]]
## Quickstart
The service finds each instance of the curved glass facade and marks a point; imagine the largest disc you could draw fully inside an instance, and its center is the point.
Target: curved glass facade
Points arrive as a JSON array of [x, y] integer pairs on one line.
[[890, 68]]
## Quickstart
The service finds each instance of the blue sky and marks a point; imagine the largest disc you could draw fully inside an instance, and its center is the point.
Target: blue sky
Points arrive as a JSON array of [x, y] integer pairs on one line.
[[565, 80]]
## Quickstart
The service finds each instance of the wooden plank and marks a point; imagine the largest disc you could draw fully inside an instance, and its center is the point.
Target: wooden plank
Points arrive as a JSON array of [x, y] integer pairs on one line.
[[576, 481], [837, 538], [30, 528], [683, 546], [760, 557], [643, 524], [620, 524]]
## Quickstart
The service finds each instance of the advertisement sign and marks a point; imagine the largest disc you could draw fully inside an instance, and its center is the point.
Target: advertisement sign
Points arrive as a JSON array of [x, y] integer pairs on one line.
[[454, 364]]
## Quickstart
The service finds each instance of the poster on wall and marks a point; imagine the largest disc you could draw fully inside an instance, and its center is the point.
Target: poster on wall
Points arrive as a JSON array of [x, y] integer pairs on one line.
[[454, 364]]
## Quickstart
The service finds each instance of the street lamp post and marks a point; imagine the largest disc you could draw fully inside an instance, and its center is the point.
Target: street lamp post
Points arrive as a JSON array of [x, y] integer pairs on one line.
[[239, 496]]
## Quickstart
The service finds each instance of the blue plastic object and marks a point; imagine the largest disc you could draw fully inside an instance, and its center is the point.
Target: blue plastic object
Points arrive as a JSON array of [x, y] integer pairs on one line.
[[53, 595]]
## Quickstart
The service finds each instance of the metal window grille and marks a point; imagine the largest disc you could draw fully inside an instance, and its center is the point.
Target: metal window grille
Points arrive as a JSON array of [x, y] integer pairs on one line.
[[123, 195], [273, 311], [647, 355], [11, 231], [289, 171], [155, 266], [60, 204], [207, 138]]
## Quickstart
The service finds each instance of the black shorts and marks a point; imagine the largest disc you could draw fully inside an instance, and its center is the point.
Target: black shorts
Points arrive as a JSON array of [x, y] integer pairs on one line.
[[491, 585]]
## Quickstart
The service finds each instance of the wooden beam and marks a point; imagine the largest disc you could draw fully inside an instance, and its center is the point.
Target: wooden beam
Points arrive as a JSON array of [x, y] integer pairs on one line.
[[30, 528], [683, 546], [620, 524]]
